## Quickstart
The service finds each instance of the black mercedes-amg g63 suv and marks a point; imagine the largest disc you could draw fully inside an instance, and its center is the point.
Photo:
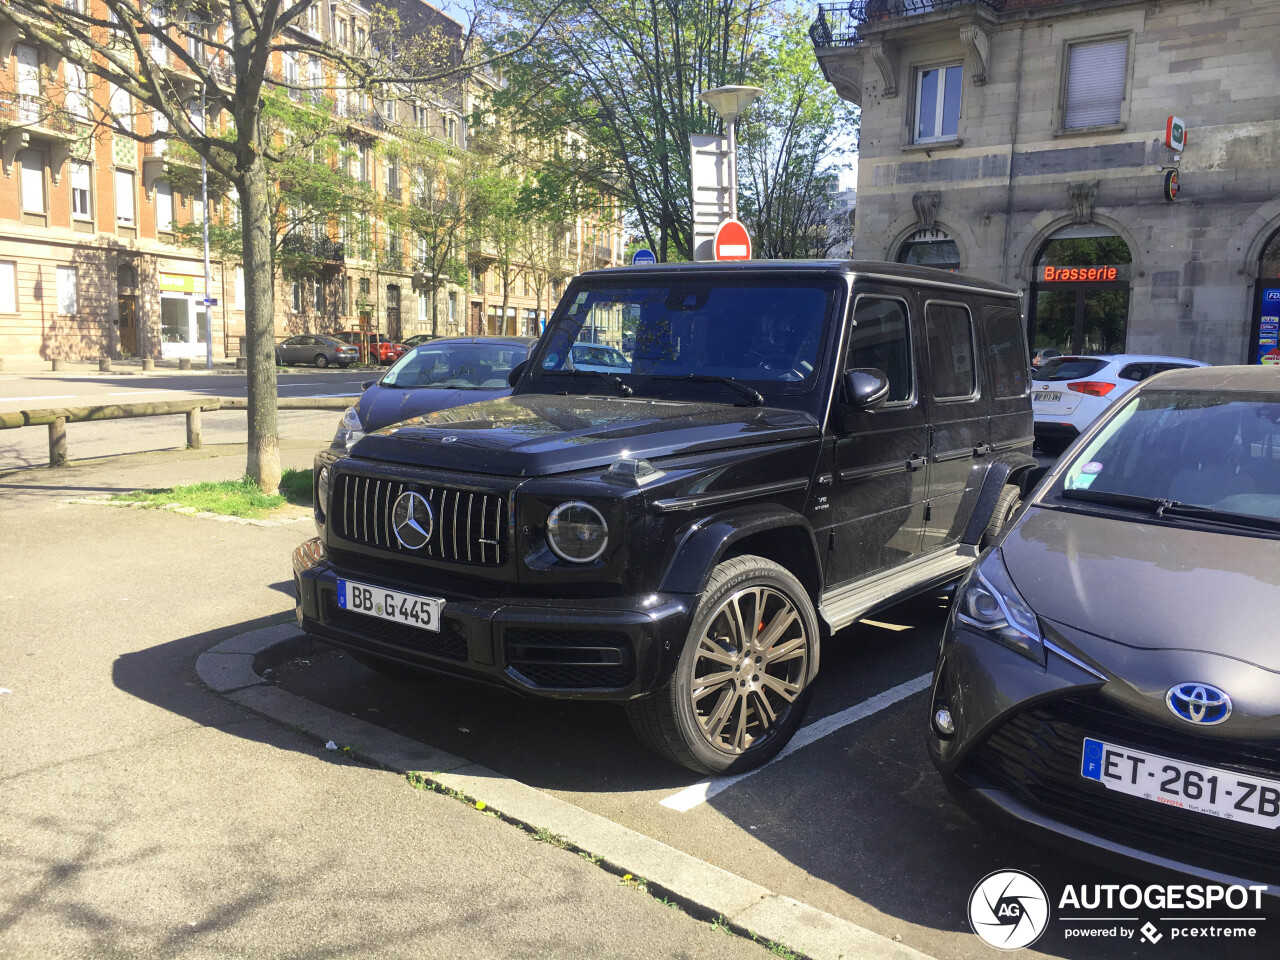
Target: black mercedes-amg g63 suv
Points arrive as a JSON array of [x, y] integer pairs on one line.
[[788, 447]]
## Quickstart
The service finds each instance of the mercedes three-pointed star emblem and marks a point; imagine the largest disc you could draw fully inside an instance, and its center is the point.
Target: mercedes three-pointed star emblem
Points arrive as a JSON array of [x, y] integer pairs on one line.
[[412, 519]]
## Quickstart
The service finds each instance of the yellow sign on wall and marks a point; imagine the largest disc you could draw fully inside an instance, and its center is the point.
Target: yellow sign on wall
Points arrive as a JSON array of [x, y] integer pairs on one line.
[[179, 283]]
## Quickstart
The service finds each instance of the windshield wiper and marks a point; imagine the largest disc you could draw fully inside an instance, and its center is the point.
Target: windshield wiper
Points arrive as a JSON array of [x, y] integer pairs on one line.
[[751, 393], [617, 381], [1174, 508]]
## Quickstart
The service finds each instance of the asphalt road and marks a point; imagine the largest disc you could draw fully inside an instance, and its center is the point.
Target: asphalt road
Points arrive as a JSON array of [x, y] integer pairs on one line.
[[28, 447], [857, 823]]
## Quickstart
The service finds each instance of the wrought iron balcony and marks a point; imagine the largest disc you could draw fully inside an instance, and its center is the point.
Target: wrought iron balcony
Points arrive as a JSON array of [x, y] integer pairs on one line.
[[322, 248], [837, 24]]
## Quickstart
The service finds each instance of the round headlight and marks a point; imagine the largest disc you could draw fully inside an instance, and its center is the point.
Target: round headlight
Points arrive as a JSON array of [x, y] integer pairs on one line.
[[576, 532], [322, 490]]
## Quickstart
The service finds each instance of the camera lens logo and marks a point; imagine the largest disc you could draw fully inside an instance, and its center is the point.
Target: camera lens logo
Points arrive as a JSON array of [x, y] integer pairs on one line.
[[1009, 909]]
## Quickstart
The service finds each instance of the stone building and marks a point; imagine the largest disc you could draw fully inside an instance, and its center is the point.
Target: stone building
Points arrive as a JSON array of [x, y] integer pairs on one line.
[[1010, 139], [90, 263]]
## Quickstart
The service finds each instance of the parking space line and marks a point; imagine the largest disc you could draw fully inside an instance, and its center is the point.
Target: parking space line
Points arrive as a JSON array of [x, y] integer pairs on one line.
[[701, 792]]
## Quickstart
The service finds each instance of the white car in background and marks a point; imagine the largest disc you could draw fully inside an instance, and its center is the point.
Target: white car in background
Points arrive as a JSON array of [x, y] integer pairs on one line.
[[1069, 392]]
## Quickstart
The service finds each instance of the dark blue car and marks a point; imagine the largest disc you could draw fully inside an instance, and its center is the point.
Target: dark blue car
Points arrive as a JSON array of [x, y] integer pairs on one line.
[[434, 376]]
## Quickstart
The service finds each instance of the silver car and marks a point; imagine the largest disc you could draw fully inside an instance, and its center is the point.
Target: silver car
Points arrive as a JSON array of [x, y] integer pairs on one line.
[[316, 349]]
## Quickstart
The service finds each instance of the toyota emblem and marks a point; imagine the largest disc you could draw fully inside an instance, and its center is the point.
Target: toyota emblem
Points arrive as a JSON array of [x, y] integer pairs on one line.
[[1199, 703]]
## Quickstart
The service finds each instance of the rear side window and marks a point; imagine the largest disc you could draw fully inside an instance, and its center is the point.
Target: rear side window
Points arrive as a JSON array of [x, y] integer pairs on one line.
[[1006, 347], [1069, 368], [880, 339], [951, 371], [1136, 371]]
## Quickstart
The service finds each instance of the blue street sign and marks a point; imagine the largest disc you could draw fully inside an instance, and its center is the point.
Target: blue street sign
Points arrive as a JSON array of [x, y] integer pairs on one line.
[[643, 256], [210, 301]]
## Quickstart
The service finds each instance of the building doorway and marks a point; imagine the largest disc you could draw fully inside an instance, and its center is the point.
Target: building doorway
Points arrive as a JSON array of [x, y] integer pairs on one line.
[[127, 312], [393, 311], [475, 320], [1265, 338], [1080, 296]]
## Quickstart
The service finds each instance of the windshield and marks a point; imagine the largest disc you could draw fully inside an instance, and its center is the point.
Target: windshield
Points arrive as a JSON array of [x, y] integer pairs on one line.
[[1211, 449], [1068, 368], [457, 366], [768, 334]]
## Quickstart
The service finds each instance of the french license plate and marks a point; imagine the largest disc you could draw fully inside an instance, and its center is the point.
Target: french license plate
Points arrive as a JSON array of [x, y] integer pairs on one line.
[[1208, 790], [387, 604], [1046, 398]]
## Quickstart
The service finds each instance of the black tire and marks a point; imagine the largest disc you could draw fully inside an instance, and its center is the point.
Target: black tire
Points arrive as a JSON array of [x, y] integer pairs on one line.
[[670, 720], [392, 669], [279, 360], [321, 361], [1008, 501]]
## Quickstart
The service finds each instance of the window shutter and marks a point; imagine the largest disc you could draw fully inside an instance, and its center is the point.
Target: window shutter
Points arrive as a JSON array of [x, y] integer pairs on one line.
[[1095, 82]]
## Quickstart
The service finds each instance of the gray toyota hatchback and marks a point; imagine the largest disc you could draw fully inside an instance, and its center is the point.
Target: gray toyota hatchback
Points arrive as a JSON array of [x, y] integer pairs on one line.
[[1110, 673]]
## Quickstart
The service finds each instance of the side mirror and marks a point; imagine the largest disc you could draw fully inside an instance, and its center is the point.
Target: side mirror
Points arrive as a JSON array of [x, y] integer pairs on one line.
[[865, 388], [367, 384], [516, 373]]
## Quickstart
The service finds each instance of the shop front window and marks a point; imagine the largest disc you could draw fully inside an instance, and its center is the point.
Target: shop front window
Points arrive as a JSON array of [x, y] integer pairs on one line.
[[1081, 293]]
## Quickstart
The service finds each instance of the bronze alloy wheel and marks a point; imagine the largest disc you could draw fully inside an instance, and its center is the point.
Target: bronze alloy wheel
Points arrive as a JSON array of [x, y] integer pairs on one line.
[[749, 667]]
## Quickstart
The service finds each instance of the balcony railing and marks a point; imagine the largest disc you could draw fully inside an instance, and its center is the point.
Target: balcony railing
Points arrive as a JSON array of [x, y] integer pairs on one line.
[[837, 24], [322, 248]]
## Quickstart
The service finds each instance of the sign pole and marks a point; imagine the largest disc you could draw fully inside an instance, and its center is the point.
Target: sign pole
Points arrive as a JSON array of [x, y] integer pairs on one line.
[[204, 204]]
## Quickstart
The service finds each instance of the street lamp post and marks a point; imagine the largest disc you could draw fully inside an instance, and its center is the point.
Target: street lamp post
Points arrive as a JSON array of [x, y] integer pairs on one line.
[[204, 205], [729, 103]]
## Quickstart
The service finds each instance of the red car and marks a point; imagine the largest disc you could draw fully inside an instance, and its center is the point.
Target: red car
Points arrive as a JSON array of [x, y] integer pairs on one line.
[[379, 346]]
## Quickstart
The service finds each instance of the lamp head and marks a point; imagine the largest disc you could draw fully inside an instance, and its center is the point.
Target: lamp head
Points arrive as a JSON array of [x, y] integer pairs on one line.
[[729, 102]]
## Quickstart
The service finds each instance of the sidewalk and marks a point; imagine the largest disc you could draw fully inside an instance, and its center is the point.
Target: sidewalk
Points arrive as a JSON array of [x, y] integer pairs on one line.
[[142, 815], [34, 366]]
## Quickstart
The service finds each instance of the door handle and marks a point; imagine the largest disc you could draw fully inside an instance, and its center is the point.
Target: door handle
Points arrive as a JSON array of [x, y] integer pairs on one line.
[[982, 449], [915, 463]]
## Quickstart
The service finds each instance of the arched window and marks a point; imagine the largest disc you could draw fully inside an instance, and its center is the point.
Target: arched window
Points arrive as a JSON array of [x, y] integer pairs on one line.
[[1270, 265], [930, 248], [1081, 292]]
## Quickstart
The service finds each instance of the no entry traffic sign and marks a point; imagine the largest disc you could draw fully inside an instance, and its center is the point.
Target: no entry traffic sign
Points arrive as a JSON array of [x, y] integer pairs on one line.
[[732, 241]]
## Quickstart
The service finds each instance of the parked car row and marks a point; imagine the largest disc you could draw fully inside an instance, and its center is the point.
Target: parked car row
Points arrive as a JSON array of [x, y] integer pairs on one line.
[[780, 449], [342, 349]]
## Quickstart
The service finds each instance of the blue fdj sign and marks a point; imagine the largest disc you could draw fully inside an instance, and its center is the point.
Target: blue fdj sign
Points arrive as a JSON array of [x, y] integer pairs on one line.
[[1267, 348], [1271, 296], [644, 255]]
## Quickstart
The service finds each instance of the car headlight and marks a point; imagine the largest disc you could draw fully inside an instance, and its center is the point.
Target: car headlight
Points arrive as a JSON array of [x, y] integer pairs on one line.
[[990, 604], [322, 491], [577, 532], [349, 429]]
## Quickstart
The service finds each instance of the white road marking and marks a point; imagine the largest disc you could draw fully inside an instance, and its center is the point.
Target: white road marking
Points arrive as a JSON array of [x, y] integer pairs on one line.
[[699, 793]]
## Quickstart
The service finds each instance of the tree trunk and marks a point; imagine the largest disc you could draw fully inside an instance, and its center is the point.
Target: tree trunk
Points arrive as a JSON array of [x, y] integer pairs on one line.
[[506, 298], [435, 311], [259, 318]]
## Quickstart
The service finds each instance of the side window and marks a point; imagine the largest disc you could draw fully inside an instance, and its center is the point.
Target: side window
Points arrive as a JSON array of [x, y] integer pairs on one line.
[[950, 329], [881, 338], [1007, 351], [1136, 371]]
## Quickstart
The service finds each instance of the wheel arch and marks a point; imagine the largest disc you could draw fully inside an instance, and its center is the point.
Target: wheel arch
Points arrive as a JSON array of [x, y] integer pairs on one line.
[[773, 532], [1009, 468]]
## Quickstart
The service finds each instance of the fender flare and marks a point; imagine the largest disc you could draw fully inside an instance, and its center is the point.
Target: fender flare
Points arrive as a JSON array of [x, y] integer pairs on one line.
[[703, 543], [1007, 468]]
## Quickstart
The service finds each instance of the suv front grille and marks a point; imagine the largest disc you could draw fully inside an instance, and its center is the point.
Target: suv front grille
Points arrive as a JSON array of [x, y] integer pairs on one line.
[[571, 658], [469, 527], [1035, 756]]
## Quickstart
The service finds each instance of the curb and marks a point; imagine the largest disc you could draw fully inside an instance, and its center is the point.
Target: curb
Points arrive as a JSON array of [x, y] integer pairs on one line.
[[749, 908], [186, 511]]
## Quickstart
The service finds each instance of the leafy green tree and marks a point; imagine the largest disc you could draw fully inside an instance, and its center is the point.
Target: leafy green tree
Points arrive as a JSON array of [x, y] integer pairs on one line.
[[789, 146], [625, 76]]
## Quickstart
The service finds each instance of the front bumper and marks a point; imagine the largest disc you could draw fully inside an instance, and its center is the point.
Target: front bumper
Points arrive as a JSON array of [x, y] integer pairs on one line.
[[615, 648], [1014, 758]]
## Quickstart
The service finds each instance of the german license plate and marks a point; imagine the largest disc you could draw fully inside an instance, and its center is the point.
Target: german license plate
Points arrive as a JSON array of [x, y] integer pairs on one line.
[[387, 604], [1209, 790], [1046, 398]]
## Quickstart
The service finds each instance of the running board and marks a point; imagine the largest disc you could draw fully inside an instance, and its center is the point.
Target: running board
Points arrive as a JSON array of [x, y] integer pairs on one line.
[[843, 606]]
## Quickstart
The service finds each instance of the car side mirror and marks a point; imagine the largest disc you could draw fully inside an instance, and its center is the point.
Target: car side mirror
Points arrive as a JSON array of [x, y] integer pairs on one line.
[[865, 388], [367, 384], [516, 373]]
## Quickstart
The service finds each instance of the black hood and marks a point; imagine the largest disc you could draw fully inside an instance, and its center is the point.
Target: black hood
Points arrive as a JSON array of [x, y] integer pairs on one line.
[[1151, 586], [380, 406], [540, 434]]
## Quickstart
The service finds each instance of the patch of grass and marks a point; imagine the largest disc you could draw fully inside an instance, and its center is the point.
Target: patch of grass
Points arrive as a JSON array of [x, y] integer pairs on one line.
[[775, 948], [543, 835], [235, 498], [722, 925], [295, 486]]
